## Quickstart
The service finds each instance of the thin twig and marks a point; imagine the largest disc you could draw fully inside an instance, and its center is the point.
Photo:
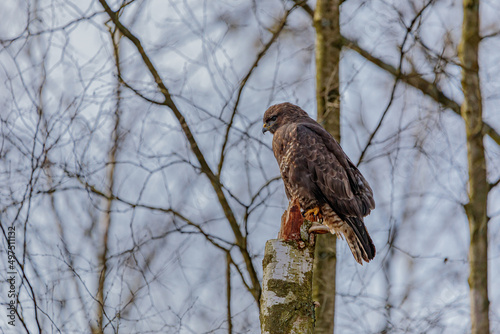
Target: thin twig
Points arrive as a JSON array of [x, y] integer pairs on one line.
[[391, 99], [243, 84], [228, 293]]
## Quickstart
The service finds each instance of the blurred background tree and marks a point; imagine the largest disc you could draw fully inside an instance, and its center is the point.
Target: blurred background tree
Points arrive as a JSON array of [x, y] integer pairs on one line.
[[142, 190]]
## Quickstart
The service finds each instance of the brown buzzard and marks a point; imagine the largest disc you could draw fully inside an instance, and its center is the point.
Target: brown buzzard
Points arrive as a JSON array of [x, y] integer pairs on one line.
[[319, 174]]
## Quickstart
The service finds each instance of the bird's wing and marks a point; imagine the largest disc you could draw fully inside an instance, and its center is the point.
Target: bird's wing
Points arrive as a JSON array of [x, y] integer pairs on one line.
[[340, 183]]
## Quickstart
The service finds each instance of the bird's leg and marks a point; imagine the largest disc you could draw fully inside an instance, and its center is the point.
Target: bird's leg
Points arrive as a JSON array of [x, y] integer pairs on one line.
[[313, 214], [319, 228]]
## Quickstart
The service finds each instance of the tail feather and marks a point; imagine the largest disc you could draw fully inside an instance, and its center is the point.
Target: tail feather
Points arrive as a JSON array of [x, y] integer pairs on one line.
[[354, 231], [359, 240]]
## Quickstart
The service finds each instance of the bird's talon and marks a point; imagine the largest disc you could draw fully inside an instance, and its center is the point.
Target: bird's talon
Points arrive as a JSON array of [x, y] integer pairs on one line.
[[313, 214]]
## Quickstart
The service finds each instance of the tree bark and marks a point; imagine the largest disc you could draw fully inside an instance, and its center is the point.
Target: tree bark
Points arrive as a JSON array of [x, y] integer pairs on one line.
[[286, 304], [328, 47], [476, 209]]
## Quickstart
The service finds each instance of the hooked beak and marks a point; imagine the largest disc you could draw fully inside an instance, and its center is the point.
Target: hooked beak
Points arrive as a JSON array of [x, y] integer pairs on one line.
[[265, 128]]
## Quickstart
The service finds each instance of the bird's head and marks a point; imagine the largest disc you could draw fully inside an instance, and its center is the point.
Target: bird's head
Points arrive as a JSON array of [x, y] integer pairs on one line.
[[281, 114]]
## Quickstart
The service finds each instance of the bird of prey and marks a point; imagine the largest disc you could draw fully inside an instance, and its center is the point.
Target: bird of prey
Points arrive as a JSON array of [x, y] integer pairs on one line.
[[317, 172]]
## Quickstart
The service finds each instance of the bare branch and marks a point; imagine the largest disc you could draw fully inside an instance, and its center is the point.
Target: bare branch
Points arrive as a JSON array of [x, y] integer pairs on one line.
[[240, 240], [494, 184], [417, 81], [413, 79]]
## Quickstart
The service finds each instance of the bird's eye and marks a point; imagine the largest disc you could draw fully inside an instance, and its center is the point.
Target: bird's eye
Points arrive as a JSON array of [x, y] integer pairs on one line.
[[273, 118]]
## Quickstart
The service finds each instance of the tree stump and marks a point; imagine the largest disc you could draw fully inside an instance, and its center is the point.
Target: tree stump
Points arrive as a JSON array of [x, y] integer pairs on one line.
[[286, 301]]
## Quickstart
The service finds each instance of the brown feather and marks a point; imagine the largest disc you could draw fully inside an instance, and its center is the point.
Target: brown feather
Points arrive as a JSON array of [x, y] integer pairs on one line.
[[316, 170]]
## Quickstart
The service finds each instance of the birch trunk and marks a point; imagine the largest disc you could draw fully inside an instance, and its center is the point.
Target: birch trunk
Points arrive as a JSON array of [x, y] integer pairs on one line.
[[286, 303]]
